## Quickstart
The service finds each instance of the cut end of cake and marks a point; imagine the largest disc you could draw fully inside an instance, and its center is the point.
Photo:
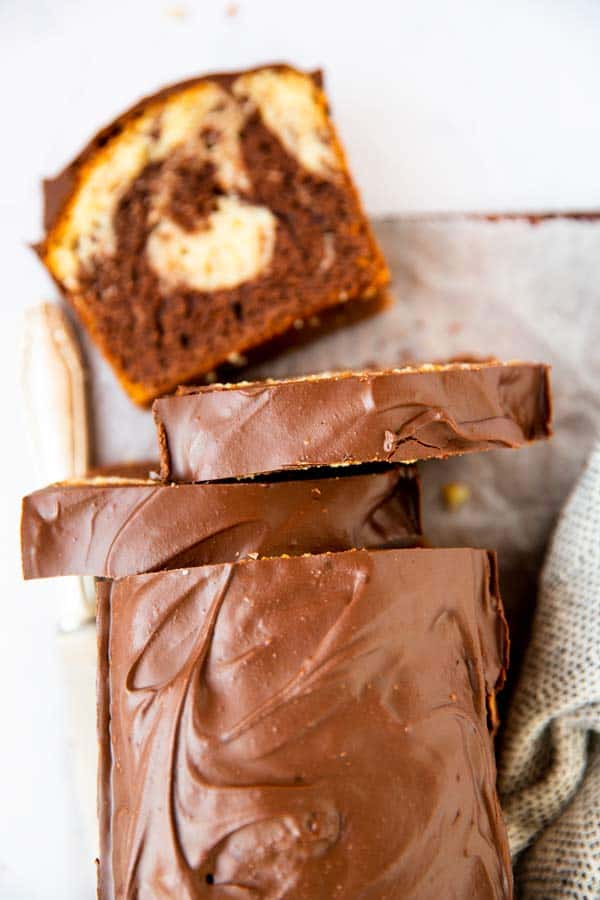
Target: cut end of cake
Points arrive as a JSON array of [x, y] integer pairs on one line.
[[206, 221]]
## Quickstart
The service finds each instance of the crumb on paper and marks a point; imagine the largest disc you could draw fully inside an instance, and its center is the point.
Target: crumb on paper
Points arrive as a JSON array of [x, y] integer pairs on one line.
[[232, 9], [455, 494], [237, 360], [177, 11]]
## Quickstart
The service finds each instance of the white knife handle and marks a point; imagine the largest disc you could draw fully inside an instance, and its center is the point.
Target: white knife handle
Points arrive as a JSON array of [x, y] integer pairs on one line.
[[55, 398]]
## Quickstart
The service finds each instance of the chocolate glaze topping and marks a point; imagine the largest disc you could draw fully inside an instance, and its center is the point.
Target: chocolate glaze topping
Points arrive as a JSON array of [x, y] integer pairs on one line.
[[397, 415], [307, 728], [121, 528]]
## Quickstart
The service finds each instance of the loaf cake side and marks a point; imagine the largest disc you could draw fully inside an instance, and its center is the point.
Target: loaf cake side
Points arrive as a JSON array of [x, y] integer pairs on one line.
[[114, 527], [207, 220], [304, 727], [343, 419]]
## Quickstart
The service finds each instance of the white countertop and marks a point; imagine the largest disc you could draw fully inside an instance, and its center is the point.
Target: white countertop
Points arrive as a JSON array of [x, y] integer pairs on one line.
[[471, 105]]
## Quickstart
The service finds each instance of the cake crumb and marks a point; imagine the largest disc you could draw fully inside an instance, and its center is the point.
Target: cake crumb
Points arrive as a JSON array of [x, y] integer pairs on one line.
[[455, 494], [177, 11]]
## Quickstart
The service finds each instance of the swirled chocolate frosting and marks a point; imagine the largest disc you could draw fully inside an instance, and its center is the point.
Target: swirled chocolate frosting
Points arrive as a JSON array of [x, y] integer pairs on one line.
[[398, 415], [310, 727], [118, 527]]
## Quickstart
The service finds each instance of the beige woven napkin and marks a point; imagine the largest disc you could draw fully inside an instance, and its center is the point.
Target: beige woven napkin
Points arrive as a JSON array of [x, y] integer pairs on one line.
[[549, 767]]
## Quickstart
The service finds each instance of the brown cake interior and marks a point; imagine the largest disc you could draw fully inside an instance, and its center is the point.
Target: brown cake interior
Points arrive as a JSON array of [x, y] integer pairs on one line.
[[152, 333]]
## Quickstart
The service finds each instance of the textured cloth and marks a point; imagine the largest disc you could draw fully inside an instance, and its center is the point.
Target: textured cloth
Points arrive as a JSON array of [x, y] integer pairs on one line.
[[549, 767]]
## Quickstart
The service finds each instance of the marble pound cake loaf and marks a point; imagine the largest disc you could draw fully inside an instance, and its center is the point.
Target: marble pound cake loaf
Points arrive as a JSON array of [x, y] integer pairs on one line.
[[210, 218], [310, 728]]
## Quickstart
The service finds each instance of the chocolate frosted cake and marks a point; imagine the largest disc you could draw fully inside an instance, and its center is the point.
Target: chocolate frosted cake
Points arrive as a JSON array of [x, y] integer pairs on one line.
[[116, 527], [341, 419], [312, 727], [205, 221]]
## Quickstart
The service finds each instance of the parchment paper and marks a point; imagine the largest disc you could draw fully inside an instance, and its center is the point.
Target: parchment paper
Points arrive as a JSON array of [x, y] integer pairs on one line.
[[461, 287]]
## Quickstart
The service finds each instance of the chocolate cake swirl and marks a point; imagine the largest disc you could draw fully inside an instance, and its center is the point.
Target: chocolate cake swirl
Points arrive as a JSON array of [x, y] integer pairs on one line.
[[206, 220]]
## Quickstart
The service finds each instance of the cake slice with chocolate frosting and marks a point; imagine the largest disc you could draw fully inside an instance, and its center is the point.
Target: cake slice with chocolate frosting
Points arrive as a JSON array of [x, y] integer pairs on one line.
[[348, 418], [111, 527], [208, 219]]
